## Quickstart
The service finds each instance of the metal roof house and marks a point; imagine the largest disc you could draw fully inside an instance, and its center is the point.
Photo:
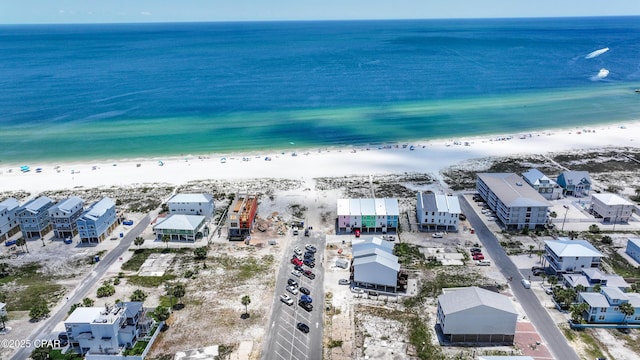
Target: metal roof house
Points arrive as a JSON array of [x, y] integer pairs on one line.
[[192, 204], [98, 221], [375, 267], [546, 187], [367, 215], [516, 204], [64, 215], [575, 183], [34, 217], [612, 208], [475, 315], [604, 307], [181, 227], [591, 277], [571, 256], [9, 222], [437, 212], [633, 249]]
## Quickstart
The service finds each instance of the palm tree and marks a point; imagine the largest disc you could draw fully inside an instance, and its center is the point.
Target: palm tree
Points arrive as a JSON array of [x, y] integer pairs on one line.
[[531, 247], [597, 288], [553, 280], [179, 291], [580, 288], [162, 313], [246, 300], [627, 309], [553, 215], [22, 243], [138, 241], [41, 353], [576, 312], [165, 239]]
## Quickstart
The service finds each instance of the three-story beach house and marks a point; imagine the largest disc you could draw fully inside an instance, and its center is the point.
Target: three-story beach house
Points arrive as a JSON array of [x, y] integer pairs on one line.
[[605, 307], [98, 221], [367, 215], [612, 208], [34, 218], [575, 183], [546, 187], [9, 222], [192, 204], [437, 212], [64, 216], [571, 256], [241, 216]]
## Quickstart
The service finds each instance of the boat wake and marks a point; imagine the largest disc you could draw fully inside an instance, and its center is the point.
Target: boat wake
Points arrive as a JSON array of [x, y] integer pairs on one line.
[[596, 53]]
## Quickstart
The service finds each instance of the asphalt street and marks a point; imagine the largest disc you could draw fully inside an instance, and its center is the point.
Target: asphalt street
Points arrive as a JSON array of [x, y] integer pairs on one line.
[[45, 329], [538, 315]]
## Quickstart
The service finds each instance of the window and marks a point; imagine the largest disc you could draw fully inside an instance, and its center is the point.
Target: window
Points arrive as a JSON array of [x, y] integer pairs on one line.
[[603, 310], [601, 317]]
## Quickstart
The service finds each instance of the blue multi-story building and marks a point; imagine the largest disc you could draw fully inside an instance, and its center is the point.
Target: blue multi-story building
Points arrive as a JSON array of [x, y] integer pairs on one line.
[[97, 221], [63, 217], [604, 307], [34, 218], [9, 222]]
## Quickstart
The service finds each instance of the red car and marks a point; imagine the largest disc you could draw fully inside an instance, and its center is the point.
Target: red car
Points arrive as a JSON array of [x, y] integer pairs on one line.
[[296, 261], [478, 256], [357, 231]]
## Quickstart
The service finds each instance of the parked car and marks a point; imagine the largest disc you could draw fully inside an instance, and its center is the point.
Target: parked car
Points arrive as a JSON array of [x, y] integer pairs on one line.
[[296, 273], [296, 261], [306, 232], [483, 263], [478, 256], [357, 232], [475, 250], [305, 291], [548, 290], [310, 248], [295, 231], [292, 289], [437, 235], [292, 282], [298, 268], [306, 299], [344, 282], [297, 251], [305, 305], [10, 242], [309, 274], [309, 255], [310, 263], [286, 299], [303, 327]]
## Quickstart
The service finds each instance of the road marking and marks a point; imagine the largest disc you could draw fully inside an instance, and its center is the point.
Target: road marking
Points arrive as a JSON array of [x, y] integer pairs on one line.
[[317, 325]]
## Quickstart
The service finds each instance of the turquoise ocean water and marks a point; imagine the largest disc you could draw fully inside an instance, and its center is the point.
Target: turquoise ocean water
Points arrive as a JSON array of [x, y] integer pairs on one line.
[[96, 92]]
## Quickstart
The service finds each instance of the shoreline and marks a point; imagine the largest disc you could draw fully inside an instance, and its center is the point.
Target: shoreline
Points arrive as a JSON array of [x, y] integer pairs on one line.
[[427, 156]]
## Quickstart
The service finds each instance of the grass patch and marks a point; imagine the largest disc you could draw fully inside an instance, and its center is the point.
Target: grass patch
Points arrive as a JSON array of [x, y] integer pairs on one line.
[[420, 338], [408, 253], [620, 265], [26, 285], [150, 281], [243, 269], [592, 347], [141, 255], [334, 343], [443, 279], [137, 349], [58, 355]]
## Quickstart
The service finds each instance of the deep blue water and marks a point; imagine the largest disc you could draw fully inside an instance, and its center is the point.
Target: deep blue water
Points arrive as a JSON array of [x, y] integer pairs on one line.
[[124, 90]]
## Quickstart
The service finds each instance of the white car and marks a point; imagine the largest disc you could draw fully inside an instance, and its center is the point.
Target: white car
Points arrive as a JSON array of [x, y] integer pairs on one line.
[[297, 251], [286, 299], [437, 235], [483, 263], [292, 290], [296, 273]]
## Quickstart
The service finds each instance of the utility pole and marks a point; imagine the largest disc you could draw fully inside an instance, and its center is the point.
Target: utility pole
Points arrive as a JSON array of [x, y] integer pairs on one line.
[[565, 216]]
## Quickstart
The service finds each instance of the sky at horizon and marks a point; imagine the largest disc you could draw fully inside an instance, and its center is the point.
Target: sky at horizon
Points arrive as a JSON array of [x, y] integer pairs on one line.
[[140, 11]]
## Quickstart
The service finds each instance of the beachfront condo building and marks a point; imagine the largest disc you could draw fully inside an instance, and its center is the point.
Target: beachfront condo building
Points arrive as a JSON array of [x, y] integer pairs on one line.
[[575, 183], [546, 187], [63, 217], [192, 204], [9, 222], [98, 221], [367, 215], [241, 217], [611, 208], [104, 332], [437, 212], [515, 204], [34, 218]]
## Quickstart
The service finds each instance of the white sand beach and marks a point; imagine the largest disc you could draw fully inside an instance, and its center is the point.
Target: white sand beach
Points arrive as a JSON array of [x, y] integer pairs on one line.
[[426, 157]]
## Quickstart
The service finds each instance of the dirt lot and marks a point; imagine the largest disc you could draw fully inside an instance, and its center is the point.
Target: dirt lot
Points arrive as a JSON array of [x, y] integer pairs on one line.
[[357, 326]]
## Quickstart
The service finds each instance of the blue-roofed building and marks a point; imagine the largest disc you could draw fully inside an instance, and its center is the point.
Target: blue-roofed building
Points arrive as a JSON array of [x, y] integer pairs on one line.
[[181, 227], [604, 307], [63, 217], [34, 218], [633, 249], [589, 278], [575, 183], [9, 222], [98, 221], [546, 187]]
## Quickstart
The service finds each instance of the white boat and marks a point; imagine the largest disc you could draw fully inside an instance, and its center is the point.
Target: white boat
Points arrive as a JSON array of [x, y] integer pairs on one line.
[[603, 73]]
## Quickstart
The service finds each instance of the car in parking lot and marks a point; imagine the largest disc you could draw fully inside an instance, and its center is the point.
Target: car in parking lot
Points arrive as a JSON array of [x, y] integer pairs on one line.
[[344, 282], [296, 273], [357, 232], [292, 289], [309, 274], [437, 235], [309, 255], [475, 250], [306, 299], [296, 261], [298, 268], [548, 291], [306, 306], [483, 263], [305, 291], [303, 327], [310, 263], [286, 299], [306, 232], [297, 251], [310, 248], [292, 282], [478, 256]]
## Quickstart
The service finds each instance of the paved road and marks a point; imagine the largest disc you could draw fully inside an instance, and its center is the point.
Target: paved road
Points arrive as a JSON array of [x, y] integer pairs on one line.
[[284, 340], [45, 330], [538, 315]]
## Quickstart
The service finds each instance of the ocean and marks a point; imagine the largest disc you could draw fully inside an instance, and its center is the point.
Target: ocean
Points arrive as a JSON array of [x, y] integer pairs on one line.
[[113, 91]]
